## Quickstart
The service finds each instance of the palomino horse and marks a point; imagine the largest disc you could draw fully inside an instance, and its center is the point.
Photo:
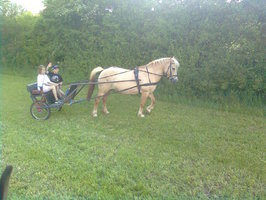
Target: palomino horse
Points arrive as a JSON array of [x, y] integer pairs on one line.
[[142, 80]]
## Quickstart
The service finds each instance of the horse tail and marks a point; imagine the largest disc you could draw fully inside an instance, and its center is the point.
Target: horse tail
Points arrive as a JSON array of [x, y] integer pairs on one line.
[[92, 79]]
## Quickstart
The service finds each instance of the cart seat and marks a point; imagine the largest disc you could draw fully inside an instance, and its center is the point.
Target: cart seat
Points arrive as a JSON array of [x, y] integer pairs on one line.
[[32, 89]]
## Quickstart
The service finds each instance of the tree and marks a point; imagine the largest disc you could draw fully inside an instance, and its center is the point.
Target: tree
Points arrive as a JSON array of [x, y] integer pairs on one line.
[[220, 45]]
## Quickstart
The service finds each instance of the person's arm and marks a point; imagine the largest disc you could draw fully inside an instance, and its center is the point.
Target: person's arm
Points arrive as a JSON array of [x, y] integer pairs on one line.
[[48, 82], [40, 83], [48, 66], [51, 83], [60, 80]]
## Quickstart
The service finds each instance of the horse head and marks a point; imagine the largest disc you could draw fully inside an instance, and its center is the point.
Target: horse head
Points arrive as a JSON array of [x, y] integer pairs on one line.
[[171, 71]]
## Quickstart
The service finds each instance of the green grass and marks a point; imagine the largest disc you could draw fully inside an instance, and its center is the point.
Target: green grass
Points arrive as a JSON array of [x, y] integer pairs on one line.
[[177, 152]]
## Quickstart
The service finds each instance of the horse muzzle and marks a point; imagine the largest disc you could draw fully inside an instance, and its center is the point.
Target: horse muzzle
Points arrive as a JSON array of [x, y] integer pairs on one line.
[[173, 79]]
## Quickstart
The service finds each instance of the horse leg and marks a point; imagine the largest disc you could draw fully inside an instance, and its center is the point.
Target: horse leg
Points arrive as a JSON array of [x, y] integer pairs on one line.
[[96, 103], [105, 111], [144, 97], [150, 107]]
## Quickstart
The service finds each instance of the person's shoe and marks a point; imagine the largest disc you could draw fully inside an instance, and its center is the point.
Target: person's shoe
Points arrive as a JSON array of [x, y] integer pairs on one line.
[[70, 102], [58, 102]]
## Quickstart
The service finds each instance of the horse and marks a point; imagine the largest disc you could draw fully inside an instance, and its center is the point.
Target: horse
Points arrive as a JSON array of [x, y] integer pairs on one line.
[[142, 80]]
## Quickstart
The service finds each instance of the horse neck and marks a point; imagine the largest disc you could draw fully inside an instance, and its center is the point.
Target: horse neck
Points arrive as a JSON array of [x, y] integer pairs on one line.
[[158, 68]]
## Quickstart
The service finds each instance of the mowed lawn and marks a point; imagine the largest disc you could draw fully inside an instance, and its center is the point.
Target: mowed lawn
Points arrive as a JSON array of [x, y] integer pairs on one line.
[[177, 152]]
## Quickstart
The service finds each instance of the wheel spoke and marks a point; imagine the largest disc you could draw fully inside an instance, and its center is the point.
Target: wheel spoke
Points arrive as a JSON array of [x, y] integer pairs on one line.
[[39, 110]]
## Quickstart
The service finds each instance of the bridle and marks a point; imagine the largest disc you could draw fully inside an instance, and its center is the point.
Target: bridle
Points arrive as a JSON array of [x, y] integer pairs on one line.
[[171, 77]]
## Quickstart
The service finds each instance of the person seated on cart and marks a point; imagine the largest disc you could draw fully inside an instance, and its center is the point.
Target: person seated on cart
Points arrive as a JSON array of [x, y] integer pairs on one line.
[[55, 77], [44, 84]]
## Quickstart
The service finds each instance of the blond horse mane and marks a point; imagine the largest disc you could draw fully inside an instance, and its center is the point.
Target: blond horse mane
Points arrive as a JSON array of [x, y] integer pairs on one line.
[[158, 61]]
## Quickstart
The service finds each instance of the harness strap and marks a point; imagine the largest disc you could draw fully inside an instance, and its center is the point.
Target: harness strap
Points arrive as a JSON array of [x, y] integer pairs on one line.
[[151, 73], [136, 74], [148, 73], [115, 74], [144, 84], [82, 100], [149, 84]]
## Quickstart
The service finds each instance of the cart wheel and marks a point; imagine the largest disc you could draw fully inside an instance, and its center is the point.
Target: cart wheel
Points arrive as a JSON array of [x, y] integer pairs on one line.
[[39, 110]]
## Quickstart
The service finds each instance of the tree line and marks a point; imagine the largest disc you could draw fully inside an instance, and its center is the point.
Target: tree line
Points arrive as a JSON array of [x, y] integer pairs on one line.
[[221, 46]]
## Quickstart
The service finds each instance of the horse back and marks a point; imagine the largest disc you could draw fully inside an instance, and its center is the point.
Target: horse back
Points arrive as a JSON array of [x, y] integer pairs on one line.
[[115, 74]]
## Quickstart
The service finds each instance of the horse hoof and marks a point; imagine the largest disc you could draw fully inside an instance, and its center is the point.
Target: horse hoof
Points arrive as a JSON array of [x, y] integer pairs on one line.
[[148, 110], [94, 114], [141, 115], [106, 112]]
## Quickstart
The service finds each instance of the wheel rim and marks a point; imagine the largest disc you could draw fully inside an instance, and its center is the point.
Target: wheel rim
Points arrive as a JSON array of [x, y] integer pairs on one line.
[[40, 111]]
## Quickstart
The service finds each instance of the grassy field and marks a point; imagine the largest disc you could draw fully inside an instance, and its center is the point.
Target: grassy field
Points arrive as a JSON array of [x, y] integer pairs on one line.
[[177, 152]]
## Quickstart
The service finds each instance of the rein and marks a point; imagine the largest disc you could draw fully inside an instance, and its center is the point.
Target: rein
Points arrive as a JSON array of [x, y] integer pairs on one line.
[[136, 70], [68, 97], [115, 74], [147, 71], [151, 73], [137, 80]]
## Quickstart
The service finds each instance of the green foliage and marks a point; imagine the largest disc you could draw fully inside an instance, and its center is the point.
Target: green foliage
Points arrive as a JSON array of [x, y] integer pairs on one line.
[[220, 46]]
